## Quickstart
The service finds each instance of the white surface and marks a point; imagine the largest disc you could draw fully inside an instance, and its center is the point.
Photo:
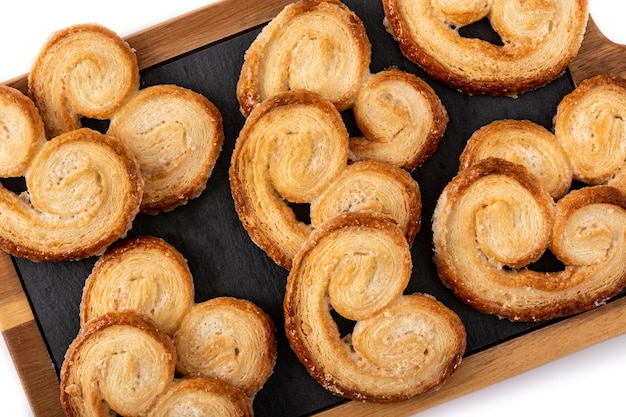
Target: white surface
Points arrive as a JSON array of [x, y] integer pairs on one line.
[[590, 382]]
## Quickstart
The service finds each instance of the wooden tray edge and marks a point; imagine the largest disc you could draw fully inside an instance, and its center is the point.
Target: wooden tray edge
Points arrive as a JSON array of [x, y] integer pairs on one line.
[[190, 31]]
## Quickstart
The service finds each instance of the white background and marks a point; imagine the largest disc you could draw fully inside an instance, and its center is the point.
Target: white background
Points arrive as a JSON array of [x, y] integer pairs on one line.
[[589, 382]]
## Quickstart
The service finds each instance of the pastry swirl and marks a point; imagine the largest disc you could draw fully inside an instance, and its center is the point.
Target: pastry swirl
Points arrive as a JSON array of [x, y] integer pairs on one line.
[[526, 143], [176, 135], [494, 219], [145, 274], [401, 117], [375, 187], [83, 70], [315, 45], [230, 339], [401, 345], [21, 132], [590, 124], [539, 39], [201, 396], [290, 148], [84, 190], [121, 362]]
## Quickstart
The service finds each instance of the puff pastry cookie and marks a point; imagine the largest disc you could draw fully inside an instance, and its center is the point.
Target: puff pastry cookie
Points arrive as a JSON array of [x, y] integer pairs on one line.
[[539, 39], [494, 219], [145, 274], [82, 71], [176, 135], [590, 124], [401, 118], [526, 143], [120, 363], [294, 149], [358, 264], [375, 187], [84, 190], [200, 396], [230, 339], [289, 149], [21, 132], [316, 45]]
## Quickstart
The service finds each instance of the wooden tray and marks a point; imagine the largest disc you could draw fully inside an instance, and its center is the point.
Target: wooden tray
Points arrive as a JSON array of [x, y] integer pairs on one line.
[[203, 50]]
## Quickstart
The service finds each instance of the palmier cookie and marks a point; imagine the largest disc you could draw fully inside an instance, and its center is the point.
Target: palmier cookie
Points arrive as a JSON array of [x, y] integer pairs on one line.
[[145, 274], [21, 132], [176, 135], [229, 339], [317, 45], [290, 148], [539, 39], [200, 396], [372, 186], [494, 219], [118, 363], [84, 190], [526, 143], [294, 149], [358, 264], [84, 70], [401, 118], [590, 124]]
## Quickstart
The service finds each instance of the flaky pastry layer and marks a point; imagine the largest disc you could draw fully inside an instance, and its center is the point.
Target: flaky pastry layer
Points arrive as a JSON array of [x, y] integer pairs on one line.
[[539, 39], [359, 264], [83, 70], [145, 274], [176, 135]]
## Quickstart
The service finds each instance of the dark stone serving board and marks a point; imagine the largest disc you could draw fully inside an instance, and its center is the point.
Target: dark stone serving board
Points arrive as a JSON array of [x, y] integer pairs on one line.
[[221, 256]]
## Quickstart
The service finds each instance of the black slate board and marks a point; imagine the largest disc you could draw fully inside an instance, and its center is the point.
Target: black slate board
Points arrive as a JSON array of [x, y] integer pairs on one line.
[[225, 262]]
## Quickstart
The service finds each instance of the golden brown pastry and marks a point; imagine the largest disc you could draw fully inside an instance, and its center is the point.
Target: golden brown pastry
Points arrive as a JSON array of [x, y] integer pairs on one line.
[[230, 339], [401, 117], [84, 190], [198, 396], [176, 135], [590, 124], [21, 132], [375, 187], [83, 70], [290, 148], [526, 143], [120, 362], [359, 264], [145, 274], [539, 39], [315, 45], [494, 219]]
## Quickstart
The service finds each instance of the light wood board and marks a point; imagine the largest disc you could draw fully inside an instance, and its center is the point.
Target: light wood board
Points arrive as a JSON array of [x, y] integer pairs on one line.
[[226, 18]]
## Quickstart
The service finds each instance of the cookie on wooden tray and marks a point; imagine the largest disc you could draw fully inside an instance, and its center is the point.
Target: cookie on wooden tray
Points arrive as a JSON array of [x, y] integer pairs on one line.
[[590, 125], [293, 148], [495, 219], [176, 135], [201, 396], [538, 40], [119, 362], [317, 45], [145, 274], [358, 264], [84, 70], [401, 118], [227, 338], [83, 192], [526, 143], [24, 133]]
